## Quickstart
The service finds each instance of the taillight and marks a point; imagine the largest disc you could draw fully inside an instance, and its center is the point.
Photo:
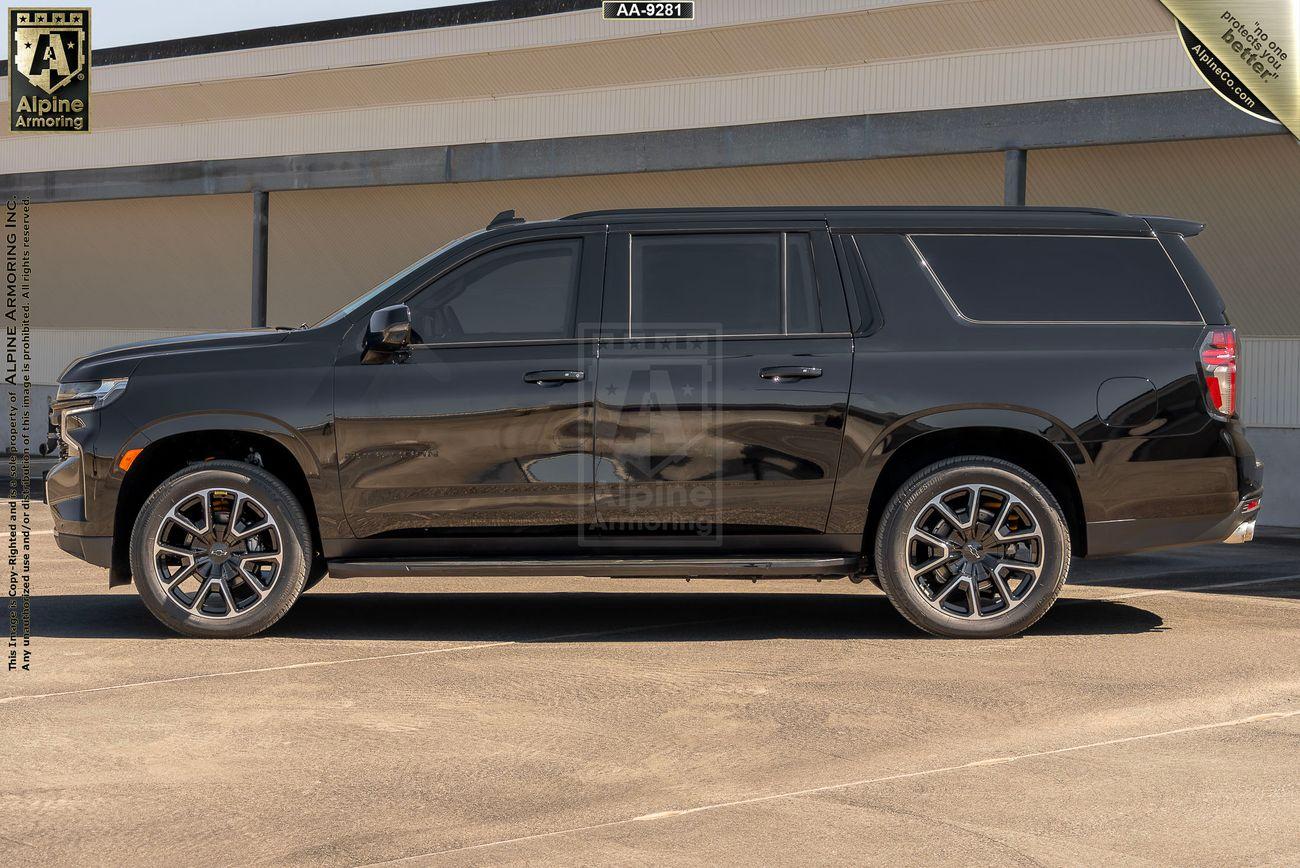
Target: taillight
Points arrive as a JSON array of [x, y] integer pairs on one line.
[[1219, 365]]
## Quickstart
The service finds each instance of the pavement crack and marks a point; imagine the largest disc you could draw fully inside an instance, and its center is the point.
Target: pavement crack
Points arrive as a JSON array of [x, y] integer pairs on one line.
[[315, 664], [828, 788]]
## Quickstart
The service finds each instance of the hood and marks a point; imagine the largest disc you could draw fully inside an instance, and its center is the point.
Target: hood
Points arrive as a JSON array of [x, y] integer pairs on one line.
[[121, 360]]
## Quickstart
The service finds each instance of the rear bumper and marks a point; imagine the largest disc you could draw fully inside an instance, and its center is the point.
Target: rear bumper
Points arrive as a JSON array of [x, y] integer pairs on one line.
[[1144, 534], [1244, 533], [1130, 535]]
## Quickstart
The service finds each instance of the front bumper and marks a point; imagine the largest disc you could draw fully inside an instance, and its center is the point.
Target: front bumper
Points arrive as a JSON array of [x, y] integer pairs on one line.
[[97, 550]]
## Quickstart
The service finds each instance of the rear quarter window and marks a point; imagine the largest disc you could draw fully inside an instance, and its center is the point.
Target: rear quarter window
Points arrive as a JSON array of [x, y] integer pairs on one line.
[[1045, 278]]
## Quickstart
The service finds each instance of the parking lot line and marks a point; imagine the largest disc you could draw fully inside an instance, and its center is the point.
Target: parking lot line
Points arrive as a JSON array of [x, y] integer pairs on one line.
[[791, 794], [313, 664], [1132, 595]]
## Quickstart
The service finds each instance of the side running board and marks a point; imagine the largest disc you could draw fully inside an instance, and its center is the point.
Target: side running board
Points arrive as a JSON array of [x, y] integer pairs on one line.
[[674, 568]]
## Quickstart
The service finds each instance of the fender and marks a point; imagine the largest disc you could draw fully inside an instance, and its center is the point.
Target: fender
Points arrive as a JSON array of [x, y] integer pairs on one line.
[[868, 446], [229, 420], [323, 493]]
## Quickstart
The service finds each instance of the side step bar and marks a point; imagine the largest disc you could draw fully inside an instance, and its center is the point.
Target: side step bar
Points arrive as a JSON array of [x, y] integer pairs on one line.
[[675, 568]]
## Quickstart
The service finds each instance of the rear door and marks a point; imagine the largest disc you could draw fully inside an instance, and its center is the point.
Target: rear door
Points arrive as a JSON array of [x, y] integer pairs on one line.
[[724, 369]]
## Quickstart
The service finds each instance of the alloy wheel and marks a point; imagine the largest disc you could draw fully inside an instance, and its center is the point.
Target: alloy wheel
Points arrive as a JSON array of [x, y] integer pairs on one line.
[[975, 551], [217, 553]]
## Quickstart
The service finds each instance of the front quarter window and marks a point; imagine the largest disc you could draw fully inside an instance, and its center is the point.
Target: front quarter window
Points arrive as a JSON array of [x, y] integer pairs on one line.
[[522, 292]]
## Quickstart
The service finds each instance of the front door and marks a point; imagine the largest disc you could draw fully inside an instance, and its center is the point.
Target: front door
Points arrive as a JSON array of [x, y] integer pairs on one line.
[[485, 429], [723, 382]]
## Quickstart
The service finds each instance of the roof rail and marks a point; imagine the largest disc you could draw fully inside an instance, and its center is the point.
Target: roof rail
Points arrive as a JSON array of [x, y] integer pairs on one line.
[[641, 212]]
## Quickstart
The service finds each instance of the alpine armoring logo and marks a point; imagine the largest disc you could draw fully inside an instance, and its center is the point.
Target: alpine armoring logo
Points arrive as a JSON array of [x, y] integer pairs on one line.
[[49, 70]]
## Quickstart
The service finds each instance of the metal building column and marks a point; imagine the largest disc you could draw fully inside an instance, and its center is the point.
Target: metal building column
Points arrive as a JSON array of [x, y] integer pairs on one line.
[[261, 207], [1014, 184]]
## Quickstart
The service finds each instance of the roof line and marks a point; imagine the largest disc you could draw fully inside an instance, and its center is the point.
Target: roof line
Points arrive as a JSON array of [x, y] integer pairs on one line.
[[336, 28], [836, 209]]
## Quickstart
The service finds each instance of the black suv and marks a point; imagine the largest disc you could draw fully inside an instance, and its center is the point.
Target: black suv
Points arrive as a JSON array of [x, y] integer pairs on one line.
[[950, 402]]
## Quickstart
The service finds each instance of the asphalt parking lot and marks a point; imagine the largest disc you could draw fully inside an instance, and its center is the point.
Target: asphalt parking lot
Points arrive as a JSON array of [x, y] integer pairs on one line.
[[1152, 716]]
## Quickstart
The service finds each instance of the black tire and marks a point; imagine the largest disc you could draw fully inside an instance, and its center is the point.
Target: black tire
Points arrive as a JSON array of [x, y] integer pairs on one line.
[[268, 500], [996, 609]]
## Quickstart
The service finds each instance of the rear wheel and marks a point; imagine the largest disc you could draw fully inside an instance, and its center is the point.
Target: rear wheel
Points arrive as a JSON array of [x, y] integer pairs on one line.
[[220, 550], [973, 547]]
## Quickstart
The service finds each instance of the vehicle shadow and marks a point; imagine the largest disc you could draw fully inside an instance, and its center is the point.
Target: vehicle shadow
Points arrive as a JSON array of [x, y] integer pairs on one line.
[[572, 616]]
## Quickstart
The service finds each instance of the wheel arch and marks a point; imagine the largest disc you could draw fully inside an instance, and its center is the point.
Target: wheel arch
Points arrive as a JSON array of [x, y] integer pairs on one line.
[[174, 444], [1025, 448]]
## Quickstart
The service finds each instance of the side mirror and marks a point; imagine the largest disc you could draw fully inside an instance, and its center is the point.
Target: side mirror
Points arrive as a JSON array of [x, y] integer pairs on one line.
[[389, 332]]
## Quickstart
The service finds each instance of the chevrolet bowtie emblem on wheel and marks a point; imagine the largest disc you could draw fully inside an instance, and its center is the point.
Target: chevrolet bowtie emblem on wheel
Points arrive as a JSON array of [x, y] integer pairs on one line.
[[49, 62]]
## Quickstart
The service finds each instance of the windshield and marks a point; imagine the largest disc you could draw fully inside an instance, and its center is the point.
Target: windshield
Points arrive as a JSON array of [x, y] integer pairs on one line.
[[379, 290]]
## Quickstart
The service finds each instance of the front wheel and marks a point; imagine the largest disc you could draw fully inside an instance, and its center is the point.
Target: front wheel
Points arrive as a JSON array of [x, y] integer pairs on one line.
[[973, 547], [220, 550]]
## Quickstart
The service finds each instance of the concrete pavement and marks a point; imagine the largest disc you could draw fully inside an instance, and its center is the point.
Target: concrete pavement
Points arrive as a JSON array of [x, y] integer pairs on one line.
[[1152, 716]]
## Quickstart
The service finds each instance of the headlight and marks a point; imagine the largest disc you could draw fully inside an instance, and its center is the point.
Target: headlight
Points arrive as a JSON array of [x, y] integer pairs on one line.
[[74, 399], [93, 393]]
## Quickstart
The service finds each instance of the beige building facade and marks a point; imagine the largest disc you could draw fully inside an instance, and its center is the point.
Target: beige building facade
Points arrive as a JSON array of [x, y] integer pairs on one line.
[[363, 144]]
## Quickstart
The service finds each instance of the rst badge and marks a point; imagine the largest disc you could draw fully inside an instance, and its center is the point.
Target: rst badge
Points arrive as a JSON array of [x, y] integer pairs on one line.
[[49, 70]]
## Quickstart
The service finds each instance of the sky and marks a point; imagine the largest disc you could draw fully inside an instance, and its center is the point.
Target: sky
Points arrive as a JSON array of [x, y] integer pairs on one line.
[[126, 22]]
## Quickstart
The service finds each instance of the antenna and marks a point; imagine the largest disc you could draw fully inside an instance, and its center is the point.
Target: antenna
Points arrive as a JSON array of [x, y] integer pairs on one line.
[[505, 217]]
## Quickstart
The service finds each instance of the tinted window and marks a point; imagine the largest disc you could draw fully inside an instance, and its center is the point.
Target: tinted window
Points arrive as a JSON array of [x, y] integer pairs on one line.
[[729, 284], [1198, 280], [526, 291], [803, 308], [1058, 279]]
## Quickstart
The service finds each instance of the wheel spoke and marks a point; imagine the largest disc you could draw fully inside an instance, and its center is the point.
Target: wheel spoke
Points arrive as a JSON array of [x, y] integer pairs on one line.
[[1002, 515], [1003, 591], [973, 597], [186, 525], [187, 571], [949, 516], [947, 590], [204, 591], [256, 557], [224, 535], [164, 548], [1007, 564], [234, 536], [224, 588], [921, 570], [252, 581], [927, 537]]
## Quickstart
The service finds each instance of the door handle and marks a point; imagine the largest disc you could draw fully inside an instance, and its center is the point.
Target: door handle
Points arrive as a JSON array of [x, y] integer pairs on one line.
[[553, 378], [791, 372]]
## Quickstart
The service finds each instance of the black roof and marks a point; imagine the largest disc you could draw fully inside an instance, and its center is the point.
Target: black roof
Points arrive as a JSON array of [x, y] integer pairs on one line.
[[913, 217], [835, 209]]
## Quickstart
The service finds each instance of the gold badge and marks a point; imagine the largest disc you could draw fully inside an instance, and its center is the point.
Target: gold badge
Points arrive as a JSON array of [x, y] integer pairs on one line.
[[1246, 51], [49, 70]]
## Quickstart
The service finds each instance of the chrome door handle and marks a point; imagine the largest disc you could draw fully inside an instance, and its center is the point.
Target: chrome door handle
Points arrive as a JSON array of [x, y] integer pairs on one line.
[[788, 373], [553, 378]]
